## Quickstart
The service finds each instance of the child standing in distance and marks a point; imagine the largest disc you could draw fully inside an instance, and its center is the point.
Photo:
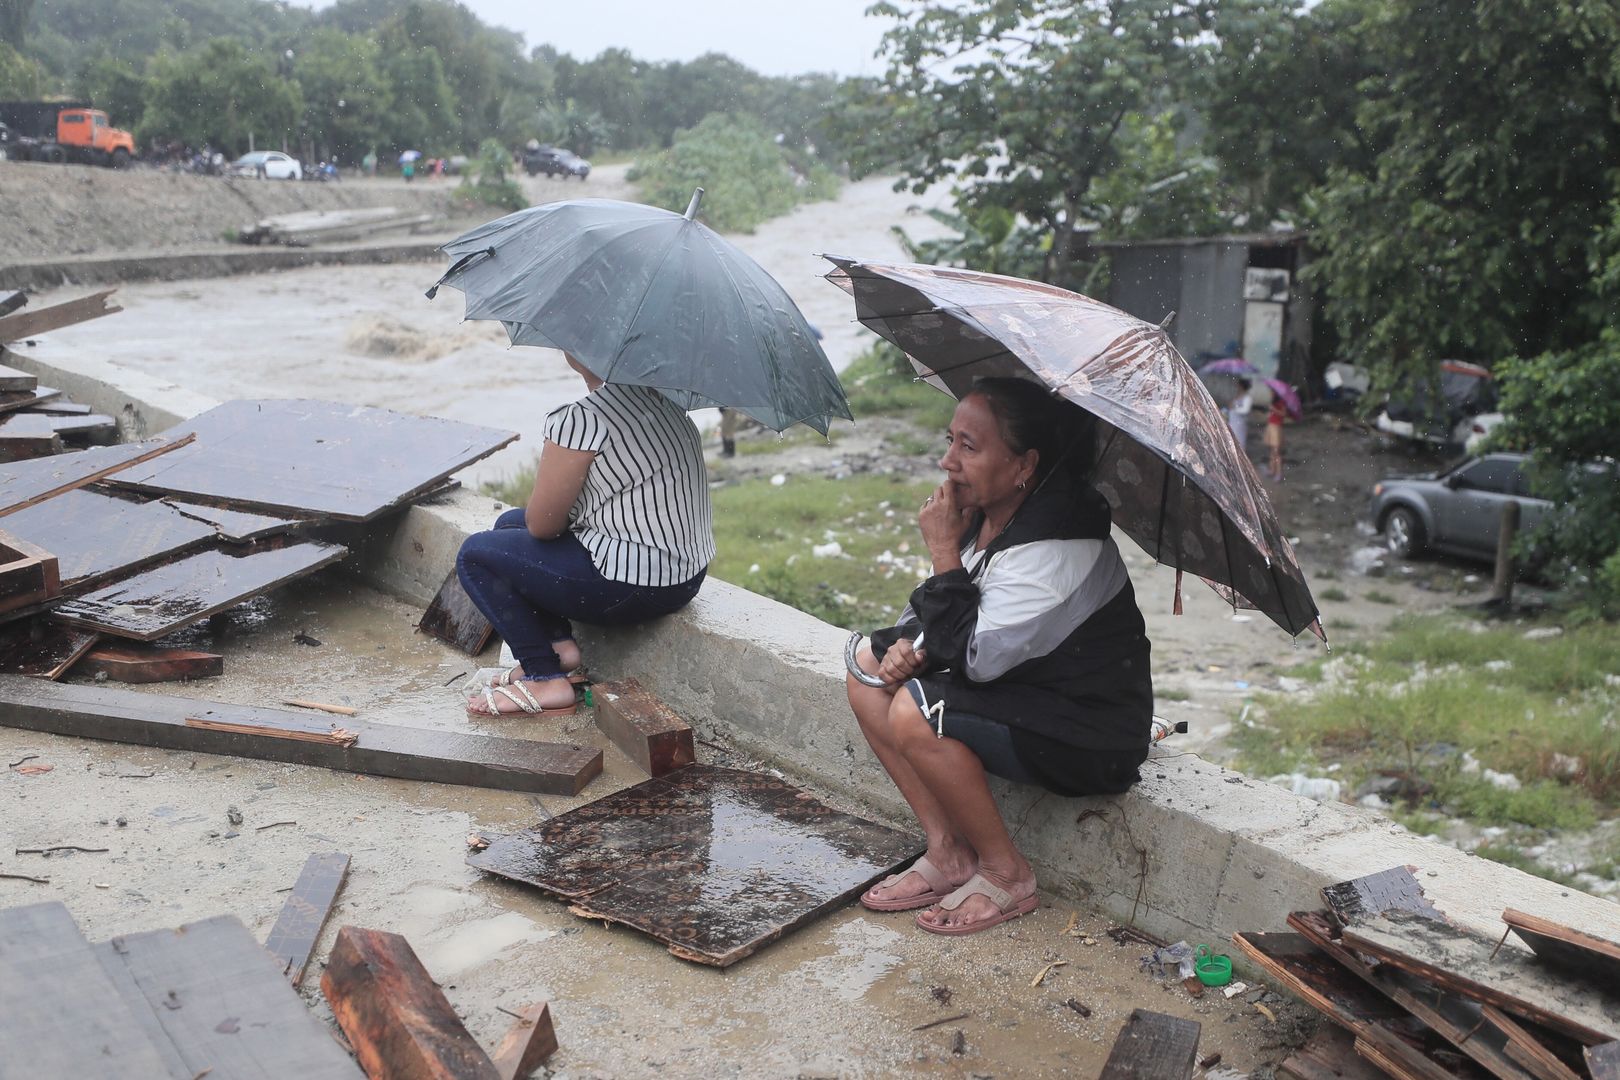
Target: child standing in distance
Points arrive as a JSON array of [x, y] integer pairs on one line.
[[1274, 436], [1237, 415]]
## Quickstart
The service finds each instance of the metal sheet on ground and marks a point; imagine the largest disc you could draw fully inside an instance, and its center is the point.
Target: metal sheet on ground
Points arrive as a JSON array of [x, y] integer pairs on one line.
[[25, 483], [224, 1005], [95, 536], [715, 863], [445, 757], [313, 457], [59, 1013], [151, 603]]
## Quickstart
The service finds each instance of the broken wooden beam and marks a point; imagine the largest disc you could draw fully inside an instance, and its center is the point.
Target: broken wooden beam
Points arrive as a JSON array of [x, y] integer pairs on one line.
[[12, 380], [25, 435], [29, 482], [1579, 952], [527, 1044], [1330, 1054], [1153, 1046], [28, 575], [441, 757], [454, 619], [20, 327], [397, 1019], [293, 938], [647, 730], [134, 664]]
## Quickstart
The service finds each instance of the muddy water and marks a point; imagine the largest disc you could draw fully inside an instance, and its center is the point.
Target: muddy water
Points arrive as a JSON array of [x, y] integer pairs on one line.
[[839, 998], [367, 334]]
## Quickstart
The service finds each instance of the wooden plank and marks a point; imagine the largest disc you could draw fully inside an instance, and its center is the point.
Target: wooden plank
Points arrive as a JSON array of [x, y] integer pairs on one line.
[[25, 435], [1472, 965], [41, 649], [1392, 889], [395, 1016], [96, 536], [1604, 1061], [60, 1016], [58, 407], [12, 401], [1329, 1054], [1312, 975], [1580, 952], [24, 325], [646, 729], [237, 526], [293, 938], [12, 379], [92, 428], [453, 618], [527, 1044], [150, 603], [1153, 1046], [314, 458], [132, 664], [29, 482], [443, 757], [1529, 1050], [332, 736], [224, 1005], [11, 300], [1459, 1021], [28, 574]]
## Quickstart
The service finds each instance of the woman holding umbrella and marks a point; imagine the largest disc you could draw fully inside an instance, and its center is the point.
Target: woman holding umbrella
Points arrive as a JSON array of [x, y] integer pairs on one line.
[[617, 531], [1023, 655]]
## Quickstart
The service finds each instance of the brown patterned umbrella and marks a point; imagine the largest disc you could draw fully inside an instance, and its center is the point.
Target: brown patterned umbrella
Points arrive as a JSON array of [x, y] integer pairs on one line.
[[1176, 480]]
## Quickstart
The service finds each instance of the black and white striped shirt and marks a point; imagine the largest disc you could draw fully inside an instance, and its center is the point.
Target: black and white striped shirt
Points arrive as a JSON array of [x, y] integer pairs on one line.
[[644, 511]]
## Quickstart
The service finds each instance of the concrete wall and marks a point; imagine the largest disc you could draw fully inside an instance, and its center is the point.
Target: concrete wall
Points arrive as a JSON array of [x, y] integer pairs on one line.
[[179, 265], [1194, 851]]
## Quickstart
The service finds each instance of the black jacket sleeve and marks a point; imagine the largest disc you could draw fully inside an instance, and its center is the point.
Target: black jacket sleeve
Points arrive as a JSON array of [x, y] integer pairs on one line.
[[948, 607]]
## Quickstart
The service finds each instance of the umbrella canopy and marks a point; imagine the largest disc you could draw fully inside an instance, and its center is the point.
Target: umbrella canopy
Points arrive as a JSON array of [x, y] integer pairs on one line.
[[1222, 386], [646, 297], [409, 156], [1229, 366], [1290, 399], [1174, 478]]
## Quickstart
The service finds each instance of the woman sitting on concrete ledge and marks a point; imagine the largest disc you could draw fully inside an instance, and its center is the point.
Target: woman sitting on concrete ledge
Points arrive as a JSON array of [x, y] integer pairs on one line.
[[618, 530], [1024, 655]]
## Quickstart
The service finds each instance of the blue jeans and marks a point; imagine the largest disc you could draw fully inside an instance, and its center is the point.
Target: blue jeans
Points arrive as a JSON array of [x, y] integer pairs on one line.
[[529, 589]]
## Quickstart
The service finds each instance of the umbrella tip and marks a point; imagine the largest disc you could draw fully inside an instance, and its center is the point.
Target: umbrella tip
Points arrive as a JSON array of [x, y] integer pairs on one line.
[[1168, 319], [692, 207]]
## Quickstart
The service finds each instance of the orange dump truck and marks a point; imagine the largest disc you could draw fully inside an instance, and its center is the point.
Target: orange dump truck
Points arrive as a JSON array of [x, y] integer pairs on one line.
[[63, 131]]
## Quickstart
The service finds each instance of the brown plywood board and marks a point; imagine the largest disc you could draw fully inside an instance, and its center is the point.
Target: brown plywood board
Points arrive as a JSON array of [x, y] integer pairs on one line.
[[223, 1004], [1396, 888], [87, 711], [27, 435], [1580, 952], [716, 863], [28, 574], [25, 483], [454, 619], [129, 663], [315, 458], [42, 649], [237, 526], [1473, 965], [1330, 1054], [96, 536], [1153, 1046], [293, 938], [17, 400], [12, 380], [151, 603]]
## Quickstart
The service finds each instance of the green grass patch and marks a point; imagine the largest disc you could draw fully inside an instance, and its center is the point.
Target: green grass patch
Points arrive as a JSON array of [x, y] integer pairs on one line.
[[776, 528], [1333, 595], [1378, 596], [1508, 855], [879, 383], [1171, 695]]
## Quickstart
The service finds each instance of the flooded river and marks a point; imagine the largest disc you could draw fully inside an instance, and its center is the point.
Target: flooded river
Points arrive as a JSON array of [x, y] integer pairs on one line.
[[368, 335]]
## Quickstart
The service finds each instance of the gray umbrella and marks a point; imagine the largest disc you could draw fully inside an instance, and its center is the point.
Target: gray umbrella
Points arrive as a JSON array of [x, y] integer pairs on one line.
[[647, 297]]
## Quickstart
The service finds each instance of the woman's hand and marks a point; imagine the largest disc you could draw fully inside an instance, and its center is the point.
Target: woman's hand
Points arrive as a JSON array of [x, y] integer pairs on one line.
[[942, 523], [901, 662]]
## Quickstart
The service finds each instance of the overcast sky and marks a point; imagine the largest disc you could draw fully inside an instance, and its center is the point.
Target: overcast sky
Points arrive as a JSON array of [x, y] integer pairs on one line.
[[775, 37]]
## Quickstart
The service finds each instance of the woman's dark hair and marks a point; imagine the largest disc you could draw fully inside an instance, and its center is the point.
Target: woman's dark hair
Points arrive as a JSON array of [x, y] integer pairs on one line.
[[1030, 417]]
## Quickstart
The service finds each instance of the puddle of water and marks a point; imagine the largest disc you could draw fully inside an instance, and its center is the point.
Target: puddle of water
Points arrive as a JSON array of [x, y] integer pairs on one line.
[[864, 956], [464, 946]]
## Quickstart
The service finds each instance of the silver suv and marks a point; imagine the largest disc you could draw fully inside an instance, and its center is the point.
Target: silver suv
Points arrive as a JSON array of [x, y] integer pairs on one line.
[[1458, 511]]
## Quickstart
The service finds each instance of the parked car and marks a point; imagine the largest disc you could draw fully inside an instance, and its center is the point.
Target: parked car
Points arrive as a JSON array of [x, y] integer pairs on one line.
[[1455, 410], [267, 165], [1458, 511], [554, 161]]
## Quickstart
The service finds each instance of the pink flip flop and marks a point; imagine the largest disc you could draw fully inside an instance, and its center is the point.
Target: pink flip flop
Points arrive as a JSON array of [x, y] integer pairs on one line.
[[1007, 907], [518, 694], [938, 888]]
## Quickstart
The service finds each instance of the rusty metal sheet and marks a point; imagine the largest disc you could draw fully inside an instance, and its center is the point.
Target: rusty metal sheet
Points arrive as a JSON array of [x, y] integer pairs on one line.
[[316, 458], [715, 863]]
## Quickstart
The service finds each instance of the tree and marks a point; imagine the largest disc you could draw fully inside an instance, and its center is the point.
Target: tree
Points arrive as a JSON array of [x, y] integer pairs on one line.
[[1028, 97], [14, 21], [346, 99], [739, 166], [113, 86], [220, 93], [1472, 232], [424, 105]]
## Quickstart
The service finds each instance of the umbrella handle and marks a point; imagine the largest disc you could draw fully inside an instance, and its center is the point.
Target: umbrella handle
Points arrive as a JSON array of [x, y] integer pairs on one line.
[[852, 646], [456, 267]]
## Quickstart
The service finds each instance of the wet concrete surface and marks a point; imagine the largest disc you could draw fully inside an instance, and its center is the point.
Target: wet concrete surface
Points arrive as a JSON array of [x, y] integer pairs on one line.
[[838, 998]]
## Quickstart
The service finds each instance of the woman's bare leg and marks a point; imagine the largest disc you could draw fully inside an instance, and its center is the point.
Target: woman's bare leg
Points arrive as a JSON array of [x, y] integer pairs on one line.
[[955, 779]]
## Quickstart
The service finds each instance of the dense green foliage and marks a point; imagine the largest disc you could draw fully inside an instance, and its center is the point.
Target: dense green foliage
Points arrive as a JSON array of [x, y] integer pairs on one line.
[[745, 176], [489, 183]]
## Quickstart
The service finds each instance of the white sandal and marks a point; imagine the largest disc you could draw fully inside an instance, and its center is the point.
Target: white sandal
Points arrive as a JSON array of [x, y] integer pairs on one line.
[[579, 677], [519, 695]]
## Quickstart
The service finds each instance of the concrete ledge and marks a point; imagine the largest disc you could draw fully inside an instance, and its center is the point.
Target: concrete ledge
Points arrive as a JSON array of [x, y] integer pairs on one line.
[[214, 262], [1194, 851]]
